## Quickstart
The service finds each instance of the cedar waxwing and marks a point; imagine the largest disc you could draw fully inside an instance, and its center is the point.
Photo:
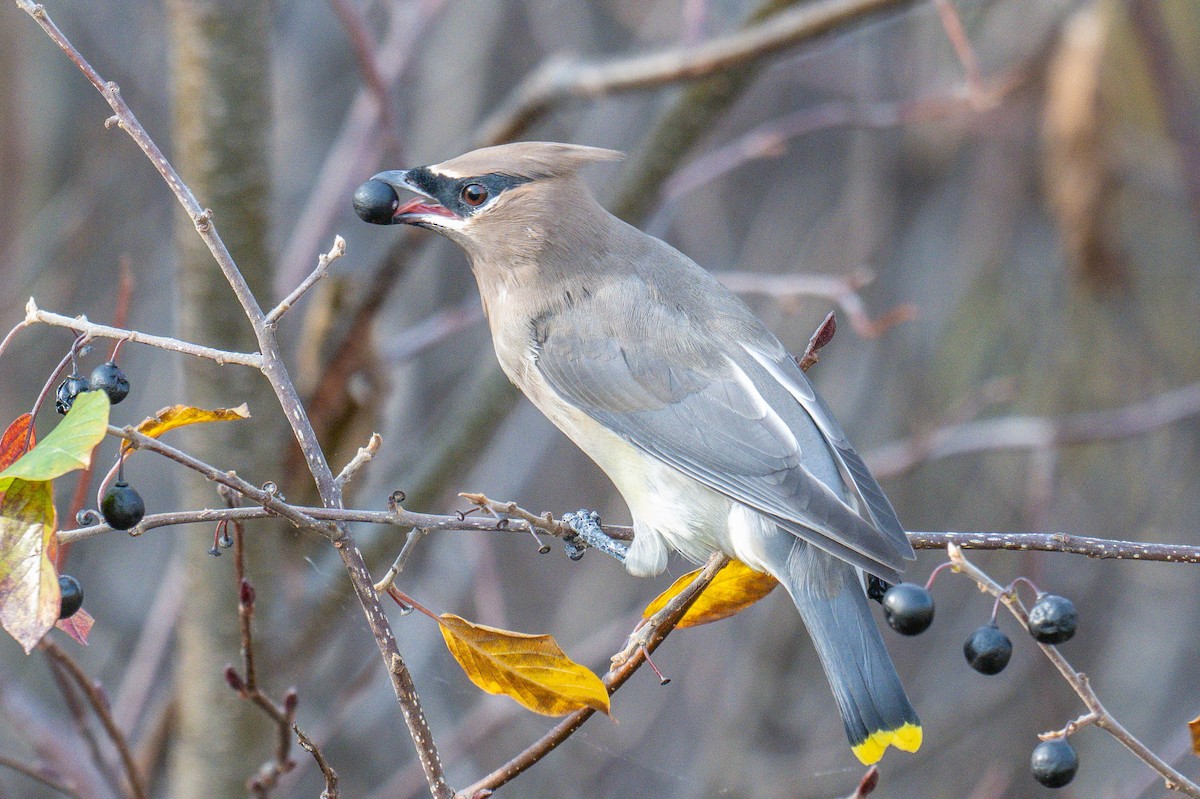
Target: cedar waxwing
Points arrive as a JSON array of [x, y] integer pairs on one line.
[[704, 422]]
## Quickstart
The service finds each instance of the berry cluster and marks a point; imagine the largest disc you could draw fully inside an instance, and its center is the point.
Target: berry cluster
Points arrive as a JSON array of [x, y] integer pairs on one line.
[[908, 609], [106, 377], [121, 506]]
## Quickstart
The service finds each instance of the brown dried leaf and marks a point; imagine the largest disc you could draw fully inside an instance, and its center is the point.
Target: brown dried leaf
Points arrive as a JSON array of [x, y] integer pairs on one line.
[[29, 597], [735, 588], [1194, 729], [182, 415], [531, 669]]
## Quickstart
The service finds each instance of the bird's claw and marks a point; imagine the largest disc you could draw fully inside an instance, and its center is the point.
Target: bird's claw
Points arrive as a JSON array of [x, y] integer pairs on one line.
[[876, 588], [587, 533]]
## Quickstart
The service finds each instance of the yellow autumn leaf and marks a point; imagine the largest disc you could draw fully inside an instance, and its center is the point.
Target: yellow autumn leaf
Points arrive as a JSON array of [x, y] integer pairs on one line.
[[1194, 728], [735, 588], [182, 415], [531, 669]]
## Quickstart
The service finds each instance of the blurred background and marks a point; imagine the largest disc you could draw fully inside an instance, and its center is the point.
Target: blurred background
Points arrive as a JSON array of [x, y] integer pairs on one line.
[[1026, 204]]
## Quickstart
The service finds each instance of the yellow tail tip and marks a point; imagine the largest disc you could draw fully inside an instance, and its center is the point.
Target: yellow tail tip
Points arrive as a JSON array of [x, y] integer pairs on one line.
[[906, 738]]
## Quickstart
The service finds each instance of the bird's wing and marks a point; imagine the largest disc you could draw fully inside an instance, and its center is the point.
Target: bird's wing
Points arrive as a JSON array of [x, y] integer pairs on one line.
[[724, 413]]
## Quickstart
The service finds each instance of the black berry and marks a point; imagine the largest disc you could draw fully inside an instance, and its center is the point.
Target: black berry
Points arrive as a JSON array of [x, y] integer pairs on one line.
[[908, 608], [1052, 619], [1054, 763], [122, 506], [109, 378], [988, 650], [376, 202], [68, 390], [72, 596]]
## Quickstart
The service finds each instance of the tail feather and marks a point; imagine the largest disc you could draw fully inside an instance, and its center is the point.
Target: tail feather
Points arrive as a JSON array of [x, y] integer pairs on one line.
[[829, 595]]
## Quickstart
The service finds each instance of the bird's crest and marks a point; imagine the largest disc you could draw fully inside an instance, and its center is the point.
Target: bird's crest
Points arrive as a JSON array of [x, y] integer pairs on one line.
[[531, 160]]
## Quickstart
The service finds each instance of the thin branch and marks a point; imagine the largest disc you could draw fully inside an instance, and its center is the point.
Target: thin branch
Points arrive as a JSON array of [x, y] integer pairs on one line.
[[1036, 432], [360, 459], [323, 262], [769, 139], [269, 500], [952, 23], [1172, 82], [365, 50], [1067, 543], [331, 777], [80, 324], [1061, 542], [644, 640], [842, 289], [100, 707], [1077, 680], [126, 120], [18, 327], [38, 775], [365, 136], [283, 713], [66, 687], [560, 79]]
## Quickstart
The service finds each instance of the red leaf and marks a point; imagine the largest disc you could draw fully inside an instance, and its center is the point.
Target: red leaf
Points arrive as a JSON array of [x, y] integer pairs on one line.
[[12, 444], [78, 626]]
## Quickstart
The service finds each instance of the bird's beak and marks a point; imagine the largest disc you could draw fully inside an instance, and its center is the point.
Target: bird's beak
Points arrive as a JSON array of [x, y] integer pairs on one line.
[[417, 210]]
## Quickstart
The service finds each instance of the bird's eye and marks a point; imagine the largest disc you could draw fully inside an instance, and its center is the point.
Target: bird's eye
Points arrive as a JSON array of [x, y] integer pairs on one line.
[[474, 194]]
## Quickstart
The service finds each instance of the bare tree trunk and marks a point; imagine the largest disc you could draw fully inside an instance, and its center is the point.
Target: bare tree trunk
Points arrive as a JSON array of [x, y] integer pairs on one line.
[[222, 123]]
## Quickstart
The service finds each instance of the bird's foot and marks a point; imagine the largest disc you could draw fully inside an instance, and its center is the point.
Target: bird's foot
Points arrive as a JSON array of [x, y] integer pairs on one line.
[[876, 588], [586, 524]]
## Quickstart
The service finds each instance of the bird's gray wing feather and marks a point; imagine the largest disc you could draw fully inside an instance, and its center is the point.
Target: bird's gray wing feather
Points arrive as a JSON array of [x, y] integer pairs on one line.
[[788, 374], [718, 415]]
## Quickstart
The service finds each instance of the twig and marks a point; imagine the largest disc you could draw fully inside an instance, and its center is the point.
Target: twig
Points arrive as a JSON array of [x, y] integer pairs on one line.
[[360, 459], [331, 777], [1067, 543], [1172, 82], [38, 775], [267, 499], [283, 713], [79, 716], [410, 543], [645, 639], [842, 289], [80, 324], [866, 785], [952, 23], [559, 79], [100, 707], [820, 337], [1036, 432], [363, 138], [18, 327], [769, 139], [323, 262], [365, 49], [1077, 680]]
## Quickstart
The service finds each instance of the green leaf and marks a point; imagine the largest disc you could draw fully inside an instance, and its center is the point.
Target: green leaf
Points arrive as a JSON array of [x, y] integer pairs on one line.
[[29, 597], [69, 446]]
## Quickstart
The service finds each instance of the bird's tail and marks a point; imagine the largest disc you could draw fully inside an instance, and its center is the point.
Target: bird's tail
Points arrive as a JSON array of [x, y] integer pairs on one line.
[[831, 600]]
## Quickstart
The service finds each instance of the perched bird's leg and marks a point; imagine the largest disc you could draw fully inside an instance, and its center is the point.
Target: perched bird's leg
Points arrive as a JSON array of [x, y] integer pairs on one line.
[[586, 524], [876, 588]]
